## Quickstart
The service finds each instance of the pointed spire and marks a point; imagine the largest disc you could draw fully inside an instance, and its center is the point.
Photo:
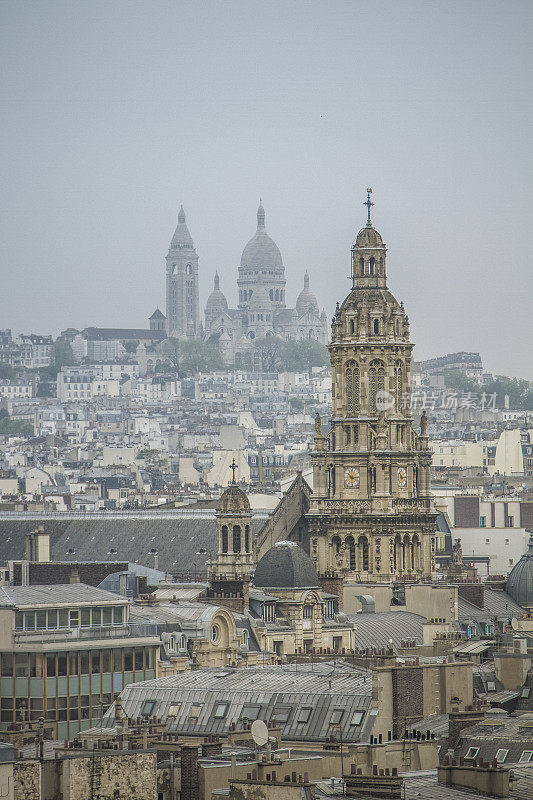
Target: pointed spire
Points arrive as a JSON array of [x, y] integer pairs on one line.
[[306, 280], [181, 216], [217, 281], [260, 216], [368, 204]]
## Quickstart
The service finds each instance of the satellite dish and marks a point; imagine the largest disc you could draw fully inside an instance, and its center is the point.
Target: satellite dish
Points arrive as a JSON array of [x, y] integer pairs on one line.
[[259, 732]]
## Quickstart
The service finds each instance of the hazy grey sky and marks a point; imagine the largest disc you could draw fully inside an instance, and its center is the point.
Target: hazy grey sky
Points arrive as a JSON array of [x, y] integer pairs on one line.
[[114, 113]]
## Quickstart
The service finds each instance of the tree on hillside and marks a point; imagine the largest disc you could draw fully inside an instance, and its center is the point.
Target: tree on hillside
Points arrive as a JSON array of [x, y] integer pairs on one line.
[[455, 379], [301, 356], [6, 371], [62, 354], [9, 427]]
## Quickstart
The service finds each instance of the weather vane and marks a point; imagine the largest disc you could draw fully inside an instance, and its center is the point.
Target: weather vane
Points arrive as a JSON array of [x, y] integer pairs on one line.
[[233, 467], [368, 204]]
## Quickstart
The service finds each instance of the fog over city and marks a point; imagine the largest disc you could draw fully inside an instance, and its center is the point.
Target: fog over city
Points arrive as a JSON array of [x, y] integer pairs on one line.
[[115, 114]]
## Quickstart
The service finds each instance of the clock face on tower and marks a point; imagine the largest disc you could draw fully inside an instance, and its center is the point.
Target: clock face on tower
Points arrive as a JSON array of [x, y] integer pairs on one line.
[[351, 478], [402, 476]]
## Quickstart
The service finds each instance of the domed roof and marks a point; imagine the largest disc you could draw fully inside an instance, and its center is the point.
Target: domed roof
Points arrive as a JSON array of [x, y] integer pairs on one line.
[[216, 300], [285, 566], [306, 301], [520, 580], [368, 237], [233, 501], [261, 251]]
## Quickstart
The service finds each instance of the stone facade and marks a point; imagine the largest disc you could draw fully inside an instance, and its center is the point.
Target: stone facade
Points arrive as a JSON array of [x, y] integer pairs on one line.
[[183, 312], [262, 310], [108, 776], [371, 516]]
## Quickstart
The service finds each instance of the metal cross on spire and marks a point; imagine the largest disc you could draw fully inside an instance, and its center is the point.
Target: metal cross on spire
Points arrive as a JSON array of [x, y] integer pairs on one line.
[[233, 466], [368, 204]]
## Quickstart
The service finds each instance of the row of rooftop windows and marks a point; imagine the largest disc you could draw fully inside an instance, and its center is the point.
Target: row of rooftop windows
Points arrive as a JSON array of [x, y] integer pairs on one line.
[[56, 618], [280, 714]]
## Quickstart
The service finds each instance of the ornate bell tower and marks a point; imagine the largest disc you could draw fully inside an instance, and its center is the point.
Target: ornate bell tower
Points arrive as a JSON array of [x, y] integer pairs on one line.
[[230, 572], [371, 515]]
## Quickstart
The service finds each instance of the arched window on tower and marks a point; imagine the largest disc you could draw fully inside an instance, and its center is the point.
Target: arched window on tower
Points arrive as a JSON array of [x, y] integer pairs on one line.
[[398, 384], [381, 266], [353, 401], [376, 382], [362, 546], [236, 538], [350, 544], [336, 545], [352, 326], [416, 552], [372, 266], [362, 266], [247, 538], [224, 538], [271, 294], [397, 551], [188, 269], [376, 326], [406, 550]]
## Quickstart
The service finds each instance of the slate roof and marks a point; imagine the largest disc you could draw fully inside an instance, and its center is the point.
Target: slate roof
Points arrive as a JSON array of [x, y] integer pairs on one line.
[[285, 566], [377, 629], [498, 731], [495, 604], [266, 693], [105, 334], [195, 617], [182, 538], [424, 786], [57, 595]]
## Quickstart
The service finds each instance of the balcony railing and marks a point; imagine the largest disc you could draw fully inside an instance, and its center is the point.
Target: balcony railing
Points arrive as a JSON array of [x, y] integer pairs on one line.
[[130, 630]]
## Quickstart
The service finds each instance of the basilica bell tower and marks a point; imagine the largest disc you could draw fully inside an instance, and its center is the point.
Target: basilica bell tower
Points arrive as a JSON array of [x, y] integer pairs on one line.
[[183, 313], [371, 516]]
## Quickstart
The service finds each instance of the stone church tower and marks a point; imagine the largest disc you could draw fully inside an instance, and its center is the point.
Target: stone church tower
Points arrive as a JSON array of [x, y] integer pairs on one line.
[[371, 516], [229, 572], [183, 313]]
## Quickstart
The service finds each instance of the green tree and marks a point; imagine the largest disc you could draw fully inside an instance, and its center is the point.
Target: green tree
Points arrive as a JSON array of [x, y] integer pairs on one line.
[[200, 357], [6, 371], [455, 379], [131, 346], [267, 354], [68, 334], [520, 392], [62, 354], [301, 356], [46, 389], [170, 349], [10, 427]]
